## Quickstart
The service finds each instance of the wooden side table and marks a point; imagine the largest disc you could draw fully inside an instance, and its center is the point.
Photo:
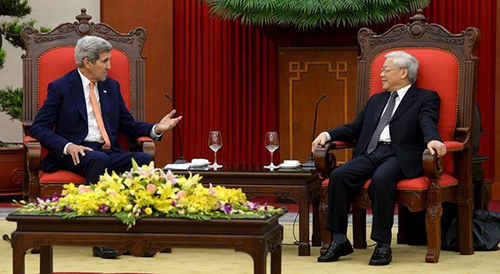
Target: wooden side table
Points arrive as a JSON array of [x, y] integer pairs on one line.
[[257, 237], [302, 186]]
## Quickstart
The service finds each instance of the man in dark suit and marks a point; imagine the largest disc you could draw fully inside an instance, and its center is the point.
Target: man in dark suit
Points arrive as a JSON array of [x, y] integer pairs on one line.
[[82, 115], [391, 132]]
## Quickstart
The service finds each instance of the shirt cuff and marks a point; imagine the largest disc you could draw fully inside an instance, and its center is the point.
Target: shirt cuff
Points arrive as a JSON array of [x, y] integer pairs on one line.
[[65, 150], [153, 133], [327, 135]]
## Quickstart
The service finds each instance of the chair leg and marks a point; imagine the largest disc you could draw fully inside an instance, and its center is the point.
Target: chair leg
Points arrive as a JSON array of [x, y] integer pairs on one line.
[[34, 186], [401, 238], [433, 227], [359, 226], [464, 229], [323, 212]]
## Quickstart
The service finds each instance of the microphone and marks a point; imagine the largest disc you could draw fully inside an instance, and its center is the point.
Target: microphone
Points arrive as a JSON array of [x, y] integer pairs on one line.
[[181, 157], [310, 164]]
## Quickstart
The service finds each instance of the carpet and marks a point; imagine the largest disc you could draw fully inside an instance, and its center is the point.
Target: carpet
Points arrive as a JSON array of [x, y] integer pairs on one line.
[[406, 259]]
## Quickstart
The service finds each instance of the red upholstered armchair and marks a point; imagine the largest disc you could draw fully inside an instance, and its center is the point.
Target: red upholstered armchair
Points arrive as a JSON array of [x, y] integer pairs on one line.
[[50, 56], [448, 66]]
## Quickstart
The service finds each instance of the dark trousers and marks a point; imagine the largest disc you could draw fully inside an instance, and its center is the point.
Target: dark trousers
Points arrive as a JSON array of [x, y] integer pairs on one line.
[[345, 181], [95, 163]]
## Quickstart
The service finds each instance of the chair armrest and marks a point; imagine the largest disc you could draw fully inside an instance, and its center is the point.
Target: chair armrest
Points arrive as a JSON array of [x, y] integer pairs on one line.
[[462, 135], [453, 146], [33, 150], [147, 145], [324, 160]]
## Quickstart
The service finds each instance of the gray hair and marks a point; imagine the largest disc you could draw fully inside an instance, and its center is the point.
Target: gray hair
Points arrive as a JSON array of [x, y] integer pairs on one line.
[[90, 47], [405, 60]]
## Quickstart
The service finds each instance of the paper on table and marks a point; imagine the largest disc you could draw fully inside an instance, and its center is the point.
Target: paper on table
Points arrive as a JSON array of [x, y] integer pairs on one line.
[[178, 166]]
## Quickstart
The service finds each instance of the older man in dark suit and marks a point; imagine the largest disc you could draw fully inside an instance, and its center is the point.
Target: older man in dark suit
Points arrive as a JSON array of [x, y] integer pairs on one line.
[[82, 115], [391, 132]]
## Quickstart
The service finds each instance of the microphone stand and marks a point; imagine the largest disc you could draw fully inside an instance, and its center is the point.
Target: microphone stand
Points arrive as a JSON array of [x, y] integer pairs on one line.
[[181, 157], [310, 164]]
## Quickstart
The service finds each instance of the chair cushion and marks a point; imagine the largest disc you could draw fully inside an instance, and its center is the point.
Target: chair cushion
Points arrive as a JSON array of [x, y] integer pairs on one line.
[[60, 177], [419, 183], [56, 62], [442, 77]]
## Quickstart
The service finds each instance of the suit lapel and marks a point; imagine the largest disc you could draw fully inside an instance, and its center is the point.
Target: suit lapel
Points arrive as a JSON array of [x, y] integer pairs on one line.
[[379, 107], [407, 101], [78, 94]]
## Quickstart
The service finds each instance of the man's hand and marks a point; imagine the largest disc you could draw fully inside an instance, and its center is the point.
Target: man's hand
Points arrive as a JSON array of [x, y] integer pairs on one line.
[[167, 122], [75, 150], [320, 140], [436, 146]]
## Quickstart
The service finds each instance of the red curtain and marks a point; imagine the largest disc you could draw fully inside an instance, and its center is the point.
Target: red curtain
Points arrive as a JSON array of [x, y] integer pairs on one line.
[[225, 78], [456, 16]]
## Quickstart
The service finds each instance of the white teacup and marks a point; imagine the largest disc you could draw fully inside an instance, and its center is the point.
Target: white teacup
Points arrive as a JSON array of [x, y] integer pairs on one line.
[[199, 161]]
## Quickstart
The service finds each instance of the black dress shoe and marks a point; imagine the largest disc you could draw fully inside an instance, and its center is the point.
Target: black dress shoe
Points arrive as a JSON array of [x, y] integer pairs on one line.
[[381, 256], [335, 250], [105, 252]]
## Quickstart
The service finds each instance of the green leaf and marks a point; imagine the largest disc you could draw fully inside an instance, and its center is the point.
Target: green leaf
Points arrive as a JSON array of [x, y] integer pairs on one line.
[[307, 14], [11, 102]]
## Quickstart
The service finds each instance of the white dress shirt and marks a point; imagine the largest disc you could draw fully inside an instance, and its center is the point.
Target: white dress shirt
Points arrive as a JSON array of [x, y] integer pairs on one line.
[[385, 136], [94, 133]]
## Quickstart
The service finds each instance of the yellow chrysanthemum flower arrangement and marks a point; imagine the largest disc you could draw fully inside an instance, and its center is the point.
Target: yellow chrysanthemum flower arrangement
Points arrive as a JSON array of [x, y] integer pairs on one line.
[[149, 192]]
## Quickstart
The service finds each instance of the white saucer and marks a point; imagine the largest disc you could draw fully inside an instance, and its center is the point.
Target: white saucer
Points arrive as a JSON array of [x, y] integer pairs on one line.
[[199, 163], [289, 166]]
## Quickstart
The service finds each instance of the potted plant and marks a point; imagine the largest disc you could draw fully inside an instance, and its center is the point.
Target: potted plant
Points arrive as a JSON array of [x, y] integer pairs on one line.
[[306, 15], [11, 154], [11, 99]]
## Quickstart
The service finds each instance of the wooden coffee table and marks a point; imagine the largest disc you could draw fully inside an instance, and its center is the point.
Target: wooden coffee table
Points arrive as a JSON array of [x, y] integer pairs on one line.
[[256, 237], [302, 186]]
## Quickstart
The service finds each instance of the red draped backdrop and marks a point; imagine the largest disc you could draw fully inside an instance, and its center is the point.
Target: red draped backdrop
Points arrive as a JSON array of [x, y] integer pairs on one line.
[[456, 16], [225, 78]]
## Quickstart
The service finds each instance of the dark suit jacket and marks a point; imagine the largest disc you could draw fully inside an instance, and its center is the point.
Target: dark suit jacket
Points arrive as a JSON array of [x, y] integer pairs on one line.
[[413, 125], [63, 117]]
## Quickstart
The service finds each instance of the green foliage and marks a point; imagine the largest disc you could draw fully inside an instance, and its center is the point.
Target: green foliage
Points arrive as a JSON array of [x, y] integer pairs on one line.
[[18, 8], [3, 54], [308, 14], [11, 102], [11, 31]]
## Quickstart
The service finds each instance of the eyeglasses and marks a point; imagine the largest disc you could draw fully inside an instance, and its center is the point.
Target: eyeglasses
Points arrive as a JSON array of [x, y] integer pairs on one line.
[[385, 70]]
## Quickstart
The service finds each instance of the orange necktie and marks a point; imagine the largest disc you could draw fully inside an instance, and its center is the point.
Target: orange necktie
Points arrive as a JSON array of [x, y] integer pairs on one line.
[[98, 117]]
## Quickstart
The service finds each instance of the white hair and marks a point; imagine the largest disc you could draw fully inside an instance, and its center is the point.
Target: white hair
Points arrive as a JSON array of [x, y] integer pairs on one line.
[[402, 59], [90, 47]]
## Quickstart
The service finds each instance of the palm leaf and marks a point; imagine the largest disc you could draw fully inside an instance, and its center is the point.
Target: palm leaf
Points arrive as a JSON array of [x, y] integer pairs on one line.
[[308, 14]]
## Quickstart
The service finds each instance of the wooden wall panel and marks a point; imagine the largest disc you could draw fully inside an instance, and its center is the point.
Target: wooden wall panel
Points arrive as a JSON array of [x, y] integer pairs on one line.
[[156, 16], [304, 76]]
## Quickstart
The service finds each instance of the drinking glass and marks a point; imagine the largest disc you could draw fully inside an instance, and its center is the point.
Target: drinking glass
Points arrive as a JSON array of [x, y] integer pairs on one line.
[[272, 143], [215, 143]]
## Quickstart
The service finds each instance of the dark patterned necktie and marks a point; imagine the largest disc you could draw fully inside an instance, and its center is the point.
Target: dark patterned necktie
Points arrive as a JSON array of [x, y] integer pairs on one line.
[[384, 120]]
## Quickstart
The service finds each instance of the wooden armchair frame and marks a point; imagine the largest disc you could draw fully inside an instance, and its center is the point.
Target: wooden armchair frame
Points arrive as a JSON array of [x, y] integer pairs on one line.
[[419, 37], [54, 50]]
